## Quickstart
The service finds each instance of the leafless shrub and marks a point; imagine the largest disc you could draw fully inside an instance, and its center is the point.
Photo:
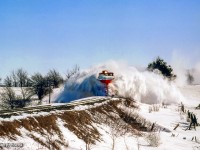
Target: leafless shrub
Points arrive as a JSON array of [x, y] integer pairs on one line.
[[7, 96], [154, 108], [10, 100], [132, 115], [150, 109], [118, 124], [153, 138], [118, 128], [26, 94], [52, 142]]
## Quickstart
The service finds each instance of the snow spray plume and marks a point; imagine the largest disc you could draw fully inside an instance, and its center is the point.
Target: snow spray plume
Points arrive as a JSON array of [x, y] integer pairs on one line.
[[143, 86], [196, 73], [181, 64]]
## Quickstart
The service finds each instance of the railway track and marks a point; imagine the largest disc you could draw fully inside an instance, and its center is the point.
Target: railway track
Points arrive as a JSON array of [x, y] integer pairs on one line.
[[50, 107]]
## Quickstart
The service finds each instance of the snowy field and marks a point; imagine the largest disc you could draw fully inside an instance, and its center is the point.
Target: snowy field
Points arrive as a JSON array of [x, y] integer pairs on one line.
[[168, 118]]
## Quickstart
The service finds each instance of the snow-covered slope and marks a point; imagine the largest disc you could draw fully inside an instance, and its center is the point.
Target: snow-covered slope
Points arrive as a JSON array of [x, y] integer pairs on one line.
[[116, 123]]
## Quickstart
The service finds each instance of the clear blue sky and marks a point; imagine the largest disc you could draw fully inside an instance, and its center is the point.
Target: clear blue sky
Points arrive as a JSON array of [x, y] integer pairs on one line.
[[38, 35]]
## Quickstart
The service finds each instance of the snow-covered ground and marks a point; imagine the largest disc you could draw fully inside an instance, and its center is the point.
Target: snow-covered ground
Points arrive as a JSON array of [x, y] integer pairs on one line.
[[191, 93], [168, 117]]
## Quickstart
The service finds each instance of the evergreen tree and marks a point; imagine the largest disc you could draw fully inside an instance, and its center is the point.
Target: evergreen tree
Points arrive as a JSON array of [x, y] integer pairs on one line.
[[162, 66]]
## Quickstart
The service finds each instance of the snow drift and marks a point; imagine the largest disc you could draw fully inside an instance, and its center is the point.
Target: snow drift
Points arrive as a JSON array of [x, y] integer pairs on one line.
[[142, 86]]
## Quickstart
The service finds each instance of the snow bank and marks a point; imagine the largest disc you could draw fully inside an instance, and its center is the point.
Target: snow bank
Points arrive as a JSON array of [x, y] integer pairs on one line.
[[143, 86]]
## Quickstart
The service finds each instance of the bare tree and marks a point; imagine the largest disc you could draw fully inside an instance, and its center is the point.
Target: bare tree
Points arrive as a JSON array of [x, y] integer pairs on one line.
[[54, 78], [72, 72], [17, 78], [14, 77], [28, 82], [8, 81], [0, 82], [39, 85], [22, 77]]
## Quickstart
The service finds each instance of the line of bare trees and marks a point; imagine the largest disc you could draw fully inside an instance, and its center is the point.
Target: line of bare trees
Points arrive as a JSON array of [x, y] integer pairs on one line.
[[36, 84], [20, 78]]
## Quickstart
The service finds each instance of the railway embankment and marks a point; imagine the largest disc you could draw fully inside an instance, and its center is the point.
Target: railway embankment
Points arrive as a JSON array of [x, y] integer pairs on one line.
[[54, 126]]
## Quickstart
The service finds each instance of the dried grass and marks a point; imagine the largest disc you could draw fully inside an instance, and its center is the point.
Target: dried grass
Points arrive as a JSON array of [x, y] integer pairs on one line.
[[80, 122]]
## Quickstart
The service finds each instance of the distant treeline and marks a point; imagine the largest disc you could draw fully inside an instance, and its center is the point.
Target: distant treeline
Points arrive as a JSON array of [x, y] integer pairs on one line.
[[21, 78], [36, 84]]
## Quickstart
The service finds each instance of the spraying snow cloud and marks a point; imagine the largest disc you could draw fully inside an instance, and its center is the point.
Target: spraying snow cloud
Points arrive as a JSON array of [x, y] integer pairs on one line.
[[197, 73], [182, 63], [142, 86]]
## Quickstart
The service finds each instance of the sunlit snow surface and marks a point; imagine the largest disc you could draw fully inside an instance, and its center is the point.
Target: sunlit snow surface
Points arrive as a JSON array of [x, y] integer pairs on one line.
[[142, 86]]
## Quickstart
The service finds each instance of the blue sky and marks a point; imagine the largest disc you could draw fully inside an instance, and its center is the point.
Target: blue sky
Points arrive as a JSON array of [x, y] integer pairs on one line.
[[39, 35]]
